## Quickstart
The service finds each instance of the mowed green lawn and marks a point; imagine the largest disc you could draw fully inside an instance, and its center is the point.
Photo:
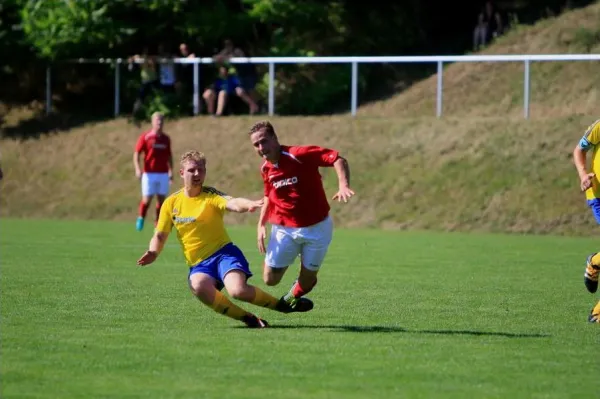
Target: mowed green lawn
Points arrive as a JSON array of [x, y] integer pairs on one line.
[[396, 314]]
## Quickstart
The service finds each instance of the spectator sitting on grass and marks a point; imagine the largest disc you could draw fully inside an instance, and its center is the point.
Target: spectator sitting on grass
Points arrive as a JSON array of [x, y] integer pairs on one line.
[[246, 73], [489, 26], [224, 86]]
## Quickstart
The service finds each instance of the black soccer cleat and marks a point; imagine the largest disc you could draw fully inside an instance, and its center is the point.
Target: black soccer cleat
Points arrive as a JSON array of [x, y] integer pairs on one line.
[[303, 305], [294, 305], [252, 321]]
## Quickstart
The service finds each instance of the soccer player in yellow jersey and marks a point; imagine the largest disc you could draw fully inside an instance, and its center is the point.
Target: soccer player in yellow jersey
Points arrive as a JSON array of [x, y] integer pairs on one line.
[[591, 186], [196, 212]]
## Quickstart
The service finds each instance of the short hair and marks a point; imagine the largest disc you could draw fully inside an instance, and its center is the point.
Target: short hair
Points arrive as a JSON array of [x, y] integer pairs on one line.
[[195, 156], [157, 114], [263, 125]]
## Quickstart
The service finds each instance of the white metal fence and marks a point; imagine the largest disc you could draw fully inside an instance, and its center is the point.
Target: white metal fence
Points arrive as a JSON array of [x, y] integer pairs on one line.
[[353, 61]]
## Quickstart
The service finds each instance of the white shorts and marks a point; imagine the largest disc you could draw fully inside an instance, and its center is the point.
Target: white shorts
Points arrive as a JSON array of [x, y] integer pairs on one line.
[[311, 243], [155, 184]]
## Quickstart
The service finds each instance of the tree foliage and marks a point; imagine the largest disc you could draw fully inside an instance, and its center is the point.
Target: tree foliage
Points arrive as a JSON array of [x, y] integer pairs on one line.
[[69, 28], [55, 30]]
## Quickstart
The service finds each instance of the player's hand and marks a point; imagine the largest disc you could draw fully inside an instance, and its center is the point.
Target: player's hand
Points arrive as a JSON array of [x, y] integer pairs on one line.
[[147, 258], [586, 181], [254, 205], [343, 194], [261, 235], [138, 174]]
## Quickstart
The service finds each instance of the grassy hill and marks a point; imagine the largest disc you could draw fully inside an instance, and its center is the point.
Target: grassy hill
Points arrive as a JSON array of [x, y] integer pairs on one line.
[[480, 168], [496, 89]]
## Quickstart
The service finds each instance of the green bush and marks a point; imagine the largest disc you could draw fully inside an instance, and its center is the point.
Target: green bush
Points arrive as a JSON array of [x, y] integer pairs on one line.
[[586, 38], [169, 104]]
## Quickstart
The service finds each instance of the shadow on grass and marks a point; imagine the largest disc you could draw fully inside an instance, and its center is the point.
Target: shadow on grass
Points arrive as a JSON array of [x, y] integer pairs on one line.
[[390, 329], [40, 125]]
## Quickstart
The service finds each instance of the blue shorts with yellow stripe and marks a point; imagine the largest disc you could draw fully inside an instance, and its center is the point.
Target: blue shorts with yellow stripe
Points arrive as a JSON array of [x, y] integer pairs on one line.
[[594, 205], [226, 259]]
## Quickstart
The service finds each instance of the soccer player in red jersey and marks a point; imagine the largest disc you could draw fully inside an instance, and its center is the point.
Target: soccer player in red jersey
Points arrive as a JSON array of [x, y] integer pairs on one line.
[[157, 172], [296, 206]]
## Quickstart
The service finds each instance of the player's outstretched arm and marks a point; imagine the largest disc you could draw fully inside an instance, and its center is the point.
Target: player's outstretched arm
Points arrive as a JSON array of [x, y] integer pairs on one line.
[[579, 159], [156, 245], [171, 167], [241, 205], [343, 173], [136, 164], [261, 230]]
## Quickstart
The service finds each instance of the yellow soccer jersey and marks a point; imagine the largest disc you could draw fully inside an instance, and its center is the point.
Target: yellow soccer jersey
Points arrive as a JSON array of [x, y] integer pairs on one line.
[[198, 221], [590, 141]]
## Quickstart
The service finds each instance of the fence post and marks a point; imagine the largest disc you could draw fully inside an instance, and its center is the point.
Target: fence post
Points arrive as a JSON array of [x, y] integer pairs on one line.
[[440, 88], [354, 95], [48, 92], [271, 88], [526, 96], [117, 87], [196, 99]]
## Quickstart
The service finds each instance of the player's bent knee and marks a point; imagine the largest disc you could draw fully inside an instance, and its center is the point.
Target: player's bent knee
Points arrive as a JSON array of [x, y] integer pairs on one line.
[[242, 293], [270, 281], [236, 293], [201, 289], [197, 290], [272, 278]]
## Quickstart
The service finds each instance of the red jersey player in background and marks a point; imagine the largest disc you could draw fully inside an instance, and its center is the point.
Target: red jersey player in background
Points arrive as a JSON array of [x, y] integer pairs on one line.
[[296, 206], [157, 172]]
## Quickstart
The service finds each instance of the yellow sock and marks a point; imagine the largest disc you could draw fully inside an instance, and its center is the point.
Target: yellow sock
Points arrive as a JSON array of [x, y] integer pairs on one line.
[[596, 310], [264, 299], [596, 259], [223, 305]]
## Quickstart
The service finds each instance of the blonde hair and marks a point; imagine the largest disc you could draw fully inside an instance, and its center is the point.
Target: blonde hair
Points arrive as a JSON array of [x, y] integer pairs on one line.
[[157, 115], [194, 156]]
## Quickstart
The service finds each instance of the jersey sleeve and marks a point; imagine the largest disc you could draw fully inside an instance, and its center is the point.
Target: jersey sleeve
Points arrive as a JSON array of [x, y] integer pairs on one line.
[[217, 198], [591, 138], [317, 155], [165, 218], [139, 146]]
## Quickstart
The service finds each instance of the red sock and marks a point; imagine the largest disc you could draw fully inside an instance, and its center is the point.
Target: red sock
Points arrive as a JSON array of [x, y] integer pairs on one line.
[[299, 291], [158, 205], [143, 209]]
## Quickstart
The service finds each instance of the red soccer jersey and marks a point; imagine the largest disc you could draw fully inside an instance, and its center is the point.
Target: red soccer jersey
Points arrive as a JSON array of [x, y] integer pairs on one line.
[[294, 185], [157, 152]]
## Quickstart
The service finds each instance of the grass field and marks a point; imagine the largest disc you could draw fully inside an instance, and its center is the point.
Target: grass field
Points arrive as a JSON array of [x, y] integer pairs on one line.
[[397, 314]]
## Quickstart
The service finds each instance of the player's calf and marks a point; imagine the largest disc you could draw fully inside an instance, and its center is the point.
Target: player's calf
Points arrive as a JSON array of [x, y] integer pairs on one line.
[[243, 292], [303, 285], [273, 275]]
